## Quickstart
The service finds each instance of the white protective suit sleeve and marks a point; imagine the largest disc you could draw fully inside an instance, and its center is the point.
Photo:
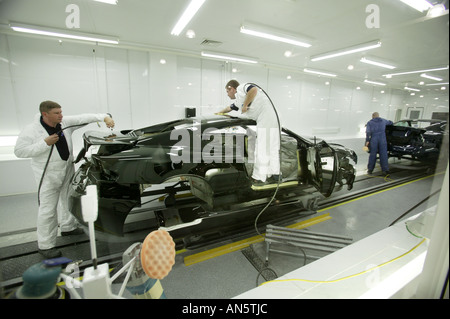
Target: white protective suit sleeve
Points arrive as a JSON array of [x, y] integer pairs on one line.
[[28, 146], [54, 183], [31, 144]]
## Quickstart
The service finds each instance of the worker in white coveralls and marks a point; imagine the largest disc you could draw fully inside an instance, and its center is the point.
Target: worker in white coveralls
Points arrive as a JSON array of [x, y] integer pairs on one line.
[[257, 106], [37, 141]]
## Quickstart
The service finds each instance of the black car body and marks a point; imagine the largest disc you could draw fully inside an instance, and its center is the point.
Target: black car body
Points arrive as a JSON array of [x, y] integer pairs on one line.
[[126, 163], [416, 139]]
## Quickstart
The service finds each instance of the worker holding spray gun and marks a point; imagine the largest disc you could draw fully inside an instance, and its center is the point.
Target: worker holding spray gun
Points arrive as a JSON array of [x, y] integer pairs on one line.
[[53, 170]]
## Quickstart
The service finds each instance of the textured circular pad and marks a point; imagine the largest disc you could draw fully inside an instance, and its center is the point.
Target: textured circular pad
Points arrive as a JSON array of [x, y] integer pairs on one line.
[[158, 254]]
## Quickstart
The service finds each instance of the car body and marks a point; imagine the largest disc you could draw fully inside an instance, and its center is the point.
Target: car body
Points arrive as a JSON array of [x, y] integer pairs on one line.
[[214, 167], [416, 139]]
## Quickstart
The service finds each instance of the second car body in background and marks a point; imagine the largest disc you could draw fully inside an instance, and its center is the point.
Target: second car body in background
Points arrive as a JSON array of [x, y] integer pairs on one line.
[[416, 139]]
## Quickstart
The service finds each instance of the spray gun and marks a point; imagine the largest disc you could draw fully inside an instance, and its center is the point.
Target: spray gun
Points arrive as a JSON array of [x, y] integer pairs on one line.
[[59, 133]]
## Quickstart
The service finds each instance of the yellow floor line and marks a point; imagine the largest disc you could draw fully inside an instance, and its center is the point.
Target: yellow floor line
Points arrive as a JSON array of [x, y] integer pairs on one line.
[[212, 253], [229, 248], [379, 192], [222, 250]]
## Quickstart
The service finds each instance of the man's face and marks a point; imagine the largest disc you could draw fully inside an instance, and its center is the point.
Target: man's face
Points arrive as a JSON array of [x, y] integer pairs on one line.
[[231, 91], [53, 117]]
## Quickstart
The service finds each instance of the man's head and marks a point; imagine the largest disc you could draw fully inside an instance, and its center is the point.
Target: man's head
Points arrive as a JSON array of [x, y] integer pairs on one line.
[[375, 115], [51, 113], [231, 87]]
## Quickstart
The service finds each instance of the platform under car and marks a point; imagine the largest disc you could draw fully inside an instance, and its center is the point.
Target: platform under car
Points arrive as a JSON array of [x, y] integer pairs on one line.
[[203, 200]]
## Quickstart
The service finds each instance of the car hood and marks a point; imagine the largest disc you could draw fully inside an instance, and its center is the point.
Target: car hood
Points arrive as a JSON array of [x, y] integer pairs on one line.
[[123, 140], [100, 138]]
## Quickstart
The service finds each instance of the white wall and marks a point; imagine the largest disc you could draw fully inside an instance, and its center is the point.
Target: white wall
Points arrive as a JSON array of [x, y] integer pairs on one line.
[[138, 91]]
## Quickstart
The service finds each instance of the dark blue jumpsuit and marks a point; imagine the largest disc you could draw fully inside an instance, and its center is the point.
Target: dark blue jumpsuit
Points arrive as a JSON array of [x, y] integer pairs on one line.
[[376, 136]]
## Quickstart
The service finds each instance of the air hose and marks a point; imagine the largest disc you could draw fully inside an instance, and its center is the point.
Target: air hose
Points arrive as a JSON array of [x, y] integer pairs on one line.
[[279, 158], [48, 159]]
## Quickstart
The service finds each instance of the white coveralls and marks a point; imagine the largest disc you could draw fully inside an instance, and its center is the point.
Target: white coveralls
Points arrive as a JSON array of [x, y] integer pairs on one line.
[[267, 161], [54, 190]]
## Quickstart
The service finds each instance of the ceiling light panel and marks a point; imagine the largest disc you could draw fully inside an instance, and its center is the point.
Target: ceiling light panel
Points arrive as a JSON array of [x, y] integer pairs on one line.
[[274, 35], [374, 82], [437, 11], [228, 57], [433, 84], [187, 16], [416, 71], [377, 62], [349, 50], [411, 89], [435, 78], [63, 33], [419, 5], [319, 72], [107, 1]]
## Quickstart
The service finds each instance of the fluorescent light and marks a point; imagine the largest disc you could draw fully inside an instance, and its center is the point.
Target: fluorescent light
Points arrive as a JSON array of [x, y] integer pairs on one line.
[[349, 50], [437, 11], [273, 34], [419, 5], [417, 71], [187, 16], [442, 83], [319, 72], [374, 82], [108, 1], [376, 63], [424, 75], [411, 89], [228, 57], [63, 33]]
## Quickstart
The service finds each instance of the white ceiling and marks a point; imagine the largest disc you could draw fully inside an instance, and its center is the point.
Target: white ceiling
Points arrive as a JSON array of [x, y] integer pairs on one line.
[[409, 39]]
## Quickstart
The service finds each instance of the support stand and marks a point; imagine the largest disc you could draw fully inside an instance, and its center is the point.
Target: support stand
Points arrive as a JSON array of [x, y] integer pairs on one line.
[[325, 243]]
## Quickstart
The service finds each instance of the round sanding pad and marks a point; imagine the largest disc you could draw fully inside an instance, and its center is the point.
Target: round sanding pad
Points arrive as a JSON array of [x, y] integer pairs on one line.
[[158, 254]]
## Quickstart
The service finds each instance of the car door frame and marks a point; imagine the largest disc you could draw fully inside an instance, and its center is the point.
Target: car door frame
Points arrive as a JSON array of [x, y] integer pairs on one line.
[[316, 163]]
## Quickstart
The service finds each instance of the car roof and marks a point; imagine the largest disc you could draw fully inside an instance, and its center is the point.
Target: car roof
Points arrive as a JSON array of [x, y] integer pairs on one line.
[[423, 120]]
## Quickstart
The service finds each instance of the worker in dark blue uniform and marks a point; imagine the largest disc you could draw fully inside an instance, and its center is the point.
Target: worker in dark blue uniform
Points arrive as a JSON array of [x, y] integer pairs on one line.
[[376, 142]]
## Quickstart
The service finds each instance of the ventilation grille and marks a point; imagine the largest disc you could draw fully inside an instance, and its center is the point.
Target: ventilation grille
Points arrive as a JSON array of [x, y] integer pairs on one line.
[[211, 43]]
